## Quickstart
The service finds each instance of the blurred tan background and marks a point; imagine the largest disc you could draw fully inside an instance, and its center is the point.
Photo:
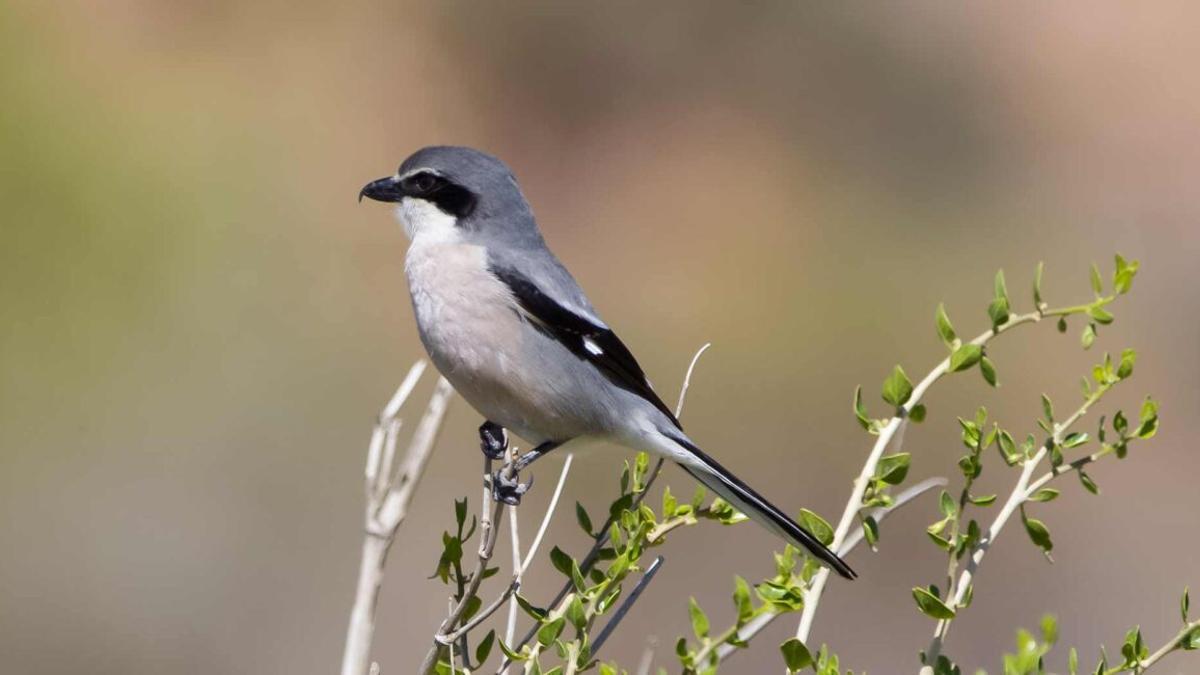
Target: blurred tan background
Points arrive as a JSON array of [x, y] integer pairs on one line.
[[199, 322]]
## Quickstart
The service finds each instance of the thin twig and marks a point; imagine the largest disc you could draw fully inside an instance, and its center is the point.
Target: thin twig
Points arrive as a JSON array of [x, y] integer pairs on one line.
[[387, 500], [537, 540], [1175, 644], [1021, 492], [647, 656], [627, 604], [511, 623], [519, 565], [488, 522], [856, 537]]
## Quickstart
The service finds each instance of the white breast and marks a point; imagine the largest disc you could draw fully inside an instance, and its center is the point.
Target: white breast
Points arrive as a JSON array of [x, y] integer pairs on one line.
[[471, 326]]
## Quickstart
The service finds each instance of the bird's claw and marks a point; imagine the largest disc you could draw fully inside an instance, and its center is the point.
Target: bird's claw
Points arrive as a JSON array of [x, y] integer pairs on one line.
[[509, 489], [493, 440]]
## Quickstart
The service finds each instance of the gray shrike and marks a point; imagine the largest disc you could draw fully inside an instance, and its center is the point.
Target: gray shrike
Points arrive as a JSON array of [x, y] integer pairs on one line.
[[510, 328]]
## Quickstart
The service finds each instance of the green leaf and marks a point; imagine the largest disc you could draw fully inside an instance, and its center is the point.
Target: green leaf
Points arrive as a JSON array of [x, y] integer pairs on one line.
[[795, 655], [607, 601], [741, 600], [940, 525], [780, 596], [510, 654], [945, 329], [1149, 419], [577, 576], [986, 500], [1191, 641], [1088, 483], [1123, 276], [1185, 604], [460, 512], [1038, 533], [473, 605], [1097, 283], [998, 311], [1049, 629], [917, 414], [1133, 648], [669, 503], [860, 410], [931, 605], [970, 433], [1120, 424], [585, 522], [1062, 324], [946, 505], [999, 287], [1072, 662], [561, 561], [897, 388], [1101, 315], [1074, 440], [1037, 285], [550, 631], [534, 612], [575, 613], [816, 526], [988, 369], [699, 619], [1088, 336], [893, 468], [1048, 408], [641, 464], [1125, 369], [1044, 495], [965, 356], [871, 531], [1008, 448], [484, 648]]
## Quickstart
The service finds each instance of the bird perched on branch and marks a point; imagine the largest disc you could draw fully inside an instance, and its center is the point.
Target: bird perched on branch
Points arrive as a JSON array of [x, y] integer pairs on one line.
[[510, 328]]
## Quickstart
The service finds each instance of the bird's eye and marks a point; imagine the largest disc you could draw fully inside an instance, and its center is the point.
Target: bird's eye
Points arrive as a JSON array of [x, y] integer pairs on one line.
[[422, 182]]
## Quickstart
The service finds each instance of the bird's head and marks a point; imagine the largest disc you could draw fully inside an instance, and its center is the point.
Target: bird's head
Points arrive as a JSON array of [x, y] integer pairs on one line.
[[449, 191]]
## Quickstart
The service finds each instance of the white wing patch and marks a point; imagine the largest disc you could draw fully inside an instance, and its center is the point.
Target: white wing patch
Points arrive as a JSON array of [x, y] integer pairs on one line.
[[592, 347]]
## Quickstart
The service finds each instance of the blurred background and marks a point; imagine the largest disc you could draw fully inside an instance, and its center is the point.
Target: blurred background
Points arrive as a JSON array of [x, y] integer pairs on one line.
[[199, 323]]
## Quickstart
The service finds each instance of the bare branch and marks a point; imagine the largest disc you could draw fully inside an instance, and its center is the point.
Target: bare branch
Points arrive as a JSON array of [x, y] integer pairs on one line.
[[387, 499]]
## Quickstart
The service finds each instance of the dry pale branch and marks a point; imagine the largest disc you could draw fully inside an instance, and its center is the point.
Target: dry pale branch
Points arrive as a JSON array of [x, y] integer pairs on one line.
[[388, 494]]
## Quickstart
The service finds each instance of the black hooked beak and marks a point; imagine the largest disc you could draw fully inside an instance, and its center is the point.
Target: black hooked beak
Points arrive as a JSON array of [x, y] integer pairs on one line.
[[382, 190]]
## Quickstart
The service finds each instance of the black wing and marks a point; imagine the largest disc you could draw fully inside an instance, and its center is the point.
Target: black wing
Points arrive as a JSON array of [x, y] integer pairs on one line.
[[586, 338]]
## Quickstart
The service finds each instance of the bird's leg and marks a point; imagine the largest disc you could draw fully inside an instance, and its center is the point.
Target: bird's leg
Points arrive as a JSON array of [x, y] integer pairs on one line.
[[505, 484], [534, 454], [493, 440]]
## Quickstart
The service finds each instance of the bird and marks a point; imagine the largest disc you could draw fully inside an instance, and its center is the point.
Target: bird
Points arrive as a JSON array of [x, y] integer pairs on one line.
[[509, 327]]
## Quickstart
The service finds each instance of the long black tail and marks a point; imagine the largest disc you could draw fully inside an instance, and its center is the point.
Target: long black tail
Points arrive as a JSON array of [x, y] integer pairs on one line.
[[731, 488]]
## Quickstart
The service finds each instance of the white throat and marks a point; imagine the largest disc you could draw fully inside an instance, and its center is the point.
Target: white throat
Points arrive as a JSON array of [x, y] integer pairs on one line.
[[424, 221]]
